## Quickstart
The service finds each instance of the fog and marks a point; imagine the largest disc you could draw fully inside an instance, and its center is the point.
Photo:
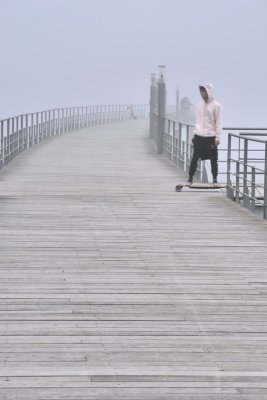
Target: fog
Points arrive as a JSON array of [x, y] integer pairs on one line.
[[62, 53]]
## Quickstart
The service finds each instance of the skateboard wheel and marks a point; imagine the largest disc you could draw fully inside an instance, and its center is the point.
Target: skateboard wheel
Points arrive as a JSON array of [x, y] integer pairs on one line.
[[178, 188]]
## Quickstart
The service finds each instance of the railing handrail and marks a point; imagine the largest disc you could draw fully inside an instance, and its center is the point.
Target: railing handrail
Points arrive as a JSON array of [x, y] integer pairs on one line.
[[179, 121], [246, 138], [224, 128], [244, 129], [72, 108]]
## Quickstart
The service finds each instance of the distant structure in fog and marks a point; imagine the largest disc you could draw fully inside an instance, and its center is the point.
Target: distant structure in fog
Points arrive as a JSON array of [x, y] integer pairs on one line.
[[184, 108]]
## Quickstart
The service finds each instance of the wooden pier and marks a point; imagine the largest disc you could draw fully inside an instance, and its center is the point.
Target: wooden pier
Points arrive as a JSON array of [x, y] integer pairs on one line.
[[114, 286]]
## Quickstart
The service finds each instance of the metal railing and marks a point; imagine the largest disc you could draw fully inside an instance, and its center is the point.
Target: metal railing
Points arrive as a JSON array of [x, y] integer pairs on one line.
[[178, 147], [243, 162], [27, 130], [247, 169]]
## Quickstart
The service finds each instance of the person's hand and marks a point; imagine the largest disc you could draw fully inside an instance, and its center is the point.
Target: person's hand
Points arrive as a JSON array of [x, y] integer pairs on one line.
[[217, 141]]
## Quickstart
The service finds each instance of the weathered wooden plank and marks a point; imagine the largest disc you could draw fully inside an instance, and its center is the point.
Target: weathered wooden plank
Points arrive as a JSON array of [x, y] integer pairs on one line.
[[132, 394], [158, 382]]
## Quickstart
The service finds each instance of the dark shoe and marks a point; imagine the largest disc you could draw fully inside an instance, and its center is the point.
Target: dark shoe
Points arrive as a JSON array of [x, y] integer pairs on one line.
[[189, 182]]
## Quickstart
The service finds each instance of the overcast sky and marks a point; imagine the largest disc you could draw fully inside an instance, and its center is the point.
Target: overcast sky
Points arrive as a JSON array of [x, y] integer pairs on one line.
[[60, 53]]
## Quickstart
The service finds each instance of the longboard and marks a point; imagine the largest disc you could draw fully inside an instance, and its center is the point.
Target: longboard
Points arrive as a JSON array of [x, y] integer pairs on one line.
[[180, 186]]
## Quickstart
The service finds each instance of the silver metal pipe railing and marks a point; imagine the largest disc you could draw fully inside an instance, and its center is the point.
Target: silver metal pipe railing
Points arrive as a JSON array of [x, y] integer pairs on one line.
[[243, 161], [247, 169], [27, 130], [178, 147]]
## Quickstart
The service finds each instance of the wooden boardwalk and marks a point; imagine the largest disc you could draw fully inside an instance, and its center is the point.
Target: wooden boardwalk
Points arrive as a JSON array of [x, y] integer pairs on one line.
[[114, 286]]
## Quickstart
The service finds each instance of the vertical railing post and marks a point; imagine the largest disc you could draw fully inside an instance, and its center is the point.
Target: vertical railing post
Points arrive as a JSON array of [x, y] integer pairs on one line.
[[63, 119], [38, 127], [16, 138], [46, 124], [229, 151], [8, 138], [49, 123], [161, 109], [32, 131], [82, 117], [265, 184], [72, 113], [2, 144], [237, 182], [22, 132], [179, 144], [27, 131], [78, 118], [188, 148], [95, 114], [174, 147], [12, 134], [229, 190], [253, 188], [89, 116], [54, 122], [86, 116], [245, 175], [58, 121], [71, 118], [42, 126], [67, 119]]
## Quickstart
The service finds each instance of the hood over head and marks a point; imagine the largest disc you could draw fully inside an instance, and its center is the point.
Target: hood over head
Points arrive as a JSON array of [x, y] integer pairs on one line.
[[209, 89]]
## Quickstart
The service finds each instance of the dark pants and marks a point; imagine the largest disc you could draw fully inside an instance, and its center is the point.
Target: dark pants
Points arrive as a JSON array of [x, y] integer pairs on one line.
[[204, 149]]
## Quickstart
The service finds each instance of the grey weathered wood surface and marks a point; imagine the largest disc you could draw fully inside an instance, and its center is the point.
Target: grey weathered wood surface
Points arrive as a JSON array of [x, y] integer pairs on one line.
[[114, 286]]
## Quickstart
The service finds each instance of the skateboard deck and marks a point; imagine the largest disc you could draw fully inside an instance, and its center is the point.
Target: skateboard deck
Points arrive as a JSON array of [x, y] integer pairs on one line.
[[180, 186]]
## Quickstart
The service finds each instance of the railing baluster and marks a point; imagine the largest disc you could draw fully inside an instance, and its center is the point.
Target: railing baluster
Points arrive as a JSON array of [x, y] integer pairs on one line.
[[2, 144], [265, 185]]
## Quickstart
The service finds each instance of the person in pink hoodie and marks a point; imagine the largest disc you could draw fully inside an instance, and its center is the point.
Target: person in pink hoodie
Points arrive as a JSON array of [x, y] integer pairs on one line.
[[207, 132]]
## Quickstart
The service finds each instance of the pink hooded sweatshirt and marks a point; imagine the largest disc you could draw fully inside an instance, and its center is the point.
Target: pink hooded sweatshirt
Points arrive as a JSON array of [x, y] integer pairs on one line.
[[209, 116]]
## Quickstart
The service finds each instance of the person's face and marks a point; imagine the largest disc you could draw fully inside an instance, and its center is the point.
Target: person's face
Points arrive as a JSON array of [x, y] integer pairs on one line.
[[204, 94]]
